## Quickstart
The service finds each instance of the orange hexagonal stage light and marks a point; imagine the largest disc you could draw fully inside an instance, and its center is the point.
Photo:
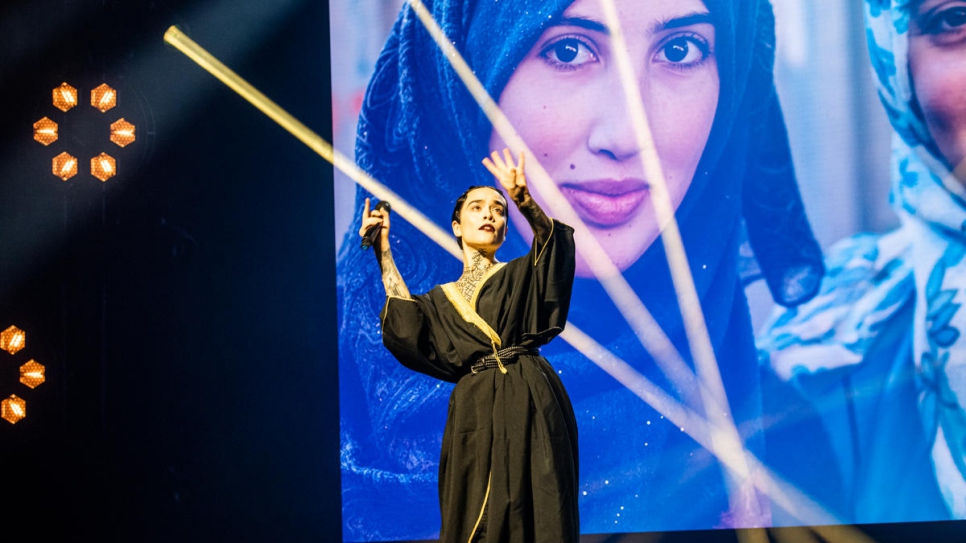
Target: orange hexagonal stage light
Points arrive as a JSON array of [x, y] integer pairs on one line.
[[65, 97], [64, 166], [103, 97], [122, 132], [13, 339], [45, 131], [103, 166], [32, 373], [13, 409]]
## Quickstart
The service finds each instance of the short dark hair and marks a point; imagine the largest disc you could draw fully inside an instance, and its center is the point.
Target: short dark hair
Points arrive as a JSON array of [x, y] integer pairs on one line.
[[462, 199]]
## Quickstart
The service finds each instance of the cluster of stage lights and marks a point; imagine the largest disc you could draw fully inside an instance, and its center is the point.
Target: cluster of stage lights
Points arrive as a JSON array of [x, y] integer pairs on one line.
[[65, 165], [14, 408]]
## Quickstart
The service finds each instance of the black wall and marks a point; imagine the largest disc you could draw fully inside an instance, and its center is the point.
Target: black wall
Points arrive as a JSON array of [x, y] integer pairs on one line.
[[184, 309]]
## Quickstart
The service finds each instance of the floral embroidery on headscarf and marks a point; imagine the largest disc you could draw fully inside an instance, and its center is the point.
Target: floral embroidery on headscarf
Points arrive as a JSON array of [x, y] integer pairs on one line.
[[921, 262]]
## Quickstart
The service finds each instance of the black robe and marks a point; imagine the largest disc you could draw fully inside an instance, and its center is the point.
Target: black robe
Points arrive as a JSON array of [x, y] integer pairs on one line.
[[508, 467]]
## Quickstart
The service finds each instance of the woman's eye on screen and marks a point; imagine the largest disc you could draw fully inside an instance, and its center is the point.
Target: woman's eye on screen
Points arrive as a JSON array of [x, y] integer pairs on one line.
[[683, 51], [944, 21], [953, 19], [568, 53]]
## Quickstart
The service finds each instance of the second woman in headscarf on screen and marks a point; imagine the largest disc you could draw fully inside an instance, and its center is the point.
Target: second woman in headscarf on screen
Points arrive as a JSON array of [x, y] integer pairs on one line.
[[879, 353]]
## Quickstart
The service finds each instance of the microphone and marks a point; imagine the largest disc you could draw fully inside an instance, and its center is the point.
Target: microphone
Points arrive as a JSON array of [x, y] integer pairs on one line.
[[372, 233]]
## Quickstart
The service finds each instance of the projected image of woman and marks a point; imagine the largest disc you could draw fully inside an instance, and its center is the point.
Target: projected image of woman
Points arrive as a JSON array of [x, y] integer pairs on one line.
[[880, 352], [703, 71], [587, 144]]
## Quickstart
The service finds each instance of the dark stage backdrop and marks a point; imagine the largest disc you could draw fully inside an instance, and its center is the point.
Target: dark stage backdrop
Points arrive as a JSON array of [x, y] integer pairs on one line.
[[184, 309]]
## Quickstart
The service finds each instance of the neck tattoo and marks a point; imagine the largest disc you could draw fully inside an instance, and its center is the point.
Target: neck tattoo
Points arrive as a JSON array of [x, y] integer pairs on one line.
[[472, 274]]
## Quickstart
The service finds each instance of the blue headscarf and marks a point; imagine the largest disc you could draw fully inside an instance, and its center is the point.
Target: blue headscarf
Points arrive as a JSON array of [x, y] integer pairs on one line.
[[908, 282], [421, 133]]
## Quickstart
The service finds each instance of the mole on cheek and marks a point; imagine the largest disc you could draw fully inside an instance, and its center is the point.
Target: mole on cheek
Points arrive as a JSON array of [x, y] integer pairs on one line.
[[573, 167]]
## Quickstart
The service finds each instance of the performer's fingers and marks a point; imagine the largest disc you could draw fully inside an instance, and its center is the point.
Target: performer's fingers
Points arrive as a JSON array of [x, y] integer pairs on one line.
[[508, 157], [491, 167], [368, 223], [521, 164], [495, 156]]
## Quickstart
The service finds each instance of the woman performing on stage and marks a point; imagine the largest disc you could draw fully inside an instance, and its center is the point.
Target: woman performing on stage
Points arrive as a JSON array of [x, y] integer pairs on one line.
[[508, 467]]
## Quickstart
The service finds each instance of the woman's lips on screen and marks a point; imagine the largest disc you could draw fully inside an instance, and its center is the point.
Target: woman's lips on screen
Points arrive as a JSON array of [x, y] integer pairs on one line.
[[606, 202]]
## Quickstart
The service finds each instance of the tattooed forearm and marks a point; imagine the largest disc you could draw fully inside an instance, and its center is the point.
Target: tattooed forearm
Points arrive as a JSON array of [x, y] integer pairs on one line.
[[473, 273], [539, 221], [391, 280]]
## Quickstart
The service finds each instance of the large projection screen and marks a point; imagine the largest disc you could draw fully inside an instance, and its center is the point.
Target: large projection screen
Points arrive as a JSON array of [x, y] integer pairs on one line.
[[820, 432]]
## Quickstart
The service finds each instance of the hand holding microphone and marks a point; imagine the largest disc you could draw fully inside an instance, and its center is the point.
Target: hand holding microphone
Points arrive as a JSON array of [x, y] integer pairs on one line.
[[373, 222]]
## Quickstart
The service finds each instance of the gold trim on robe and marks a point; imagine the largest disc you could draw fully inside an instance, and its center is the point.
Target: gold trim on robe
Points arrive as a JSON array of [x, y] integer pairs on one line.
[[467, 310]]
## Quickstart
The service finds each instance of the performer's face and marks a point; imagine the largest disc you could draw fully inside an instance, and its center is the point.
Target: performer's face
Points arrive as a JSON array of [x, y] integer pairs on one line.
[[567, 101], [937, 62], [483, 223]]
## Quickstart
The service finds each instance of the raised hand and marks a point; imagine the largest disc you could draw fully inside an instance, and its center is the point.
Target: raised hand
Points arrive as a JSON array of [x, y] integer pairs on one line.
[[513, 180], [512, 177], [391, 280]]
